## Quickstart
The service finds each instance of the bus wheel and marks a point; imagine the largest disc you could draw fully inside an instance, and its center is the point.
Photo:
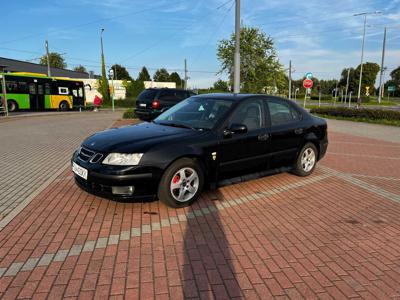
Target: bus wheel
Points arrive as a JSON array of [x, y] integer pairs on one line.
[[12, 106], [64, 106]]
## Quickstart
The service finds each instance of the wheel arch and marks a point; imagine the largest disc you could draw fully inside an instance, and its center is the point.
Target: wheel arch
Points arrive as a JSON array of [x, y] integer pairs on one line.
[[311, 137]]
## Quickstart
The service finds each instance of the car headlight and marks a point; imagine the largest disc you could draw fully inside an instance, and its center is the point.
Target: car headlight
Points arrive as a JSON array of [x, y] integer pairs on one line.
[[122, 159]]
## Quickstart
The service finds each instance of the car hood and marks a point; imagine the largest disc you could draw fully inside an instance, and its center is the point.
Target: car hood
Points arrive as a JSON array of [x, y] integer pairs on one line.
[[136, 138]]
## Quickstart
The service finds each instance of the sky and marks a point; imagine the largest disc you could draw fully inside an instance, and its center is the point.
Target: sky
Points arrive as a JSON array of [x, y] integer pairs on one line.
[[318, 36]]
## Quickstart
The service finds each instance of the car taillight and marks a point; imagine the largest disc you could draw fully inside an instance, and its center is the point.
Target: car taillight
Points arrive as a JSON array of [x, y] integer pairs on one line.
[[155, 104]]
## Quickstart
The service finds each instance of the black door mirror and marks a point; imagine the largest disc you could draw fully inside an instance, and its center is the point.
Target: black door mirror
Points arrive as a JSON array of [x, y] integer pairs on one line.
[[235, 129]]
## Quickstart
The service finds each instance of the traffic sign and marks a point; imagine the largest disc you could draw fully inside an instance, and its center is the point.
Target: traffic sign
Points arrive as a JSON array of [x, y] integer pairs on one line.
[[391, 88], [308, 83], [309, 75]]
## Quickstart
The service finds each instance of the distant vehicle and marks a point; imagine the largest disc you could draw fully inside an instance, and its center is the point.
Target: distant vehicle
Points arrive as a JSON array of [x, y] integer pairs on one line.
[[200, 140], [36, 92], [154, 101]]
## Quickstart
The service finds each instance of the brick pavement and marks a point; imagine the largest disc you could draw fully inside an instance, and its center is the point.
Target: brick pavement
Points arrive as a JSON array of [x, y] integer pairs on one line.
[[332, 235], [26, 143]]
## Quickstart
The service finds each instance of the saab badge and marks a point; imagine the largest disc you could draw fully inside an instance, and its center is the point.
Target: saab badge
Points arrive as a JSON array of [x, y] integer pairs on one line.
[[214, 155]]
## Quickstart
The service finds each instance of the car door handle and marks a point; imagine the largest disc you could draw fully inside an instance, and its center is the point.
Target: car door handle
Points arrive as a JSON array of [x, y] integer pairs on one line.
[[298, 131], [263, 137]]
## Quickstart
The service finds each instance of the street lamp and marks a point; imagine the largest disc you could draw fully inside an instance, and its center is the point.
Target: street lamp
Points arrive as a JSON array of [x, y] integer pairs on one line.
[[362, 48]]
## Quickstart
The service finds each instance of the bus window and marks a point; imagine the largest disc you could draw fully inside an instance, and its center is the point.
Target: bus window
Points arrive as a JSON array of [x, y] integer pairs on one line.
[[40, 89], [75, 93], [63, 91], [12, 87], [22, 87], [32, 89], [80, 92], [47, 89]]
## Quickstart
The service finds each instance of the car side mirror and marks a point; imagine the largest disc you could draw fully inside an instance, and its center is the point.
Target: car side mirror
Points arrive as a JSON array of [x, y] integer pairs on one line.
[[235, 129]]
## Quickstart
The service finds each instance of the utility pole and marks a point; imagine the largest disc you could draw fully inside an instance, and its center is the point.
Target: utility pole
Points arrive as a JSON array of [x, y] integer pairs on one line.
[[362, 50], [186, 77], [290, 79], [236, 74], [347, 84], [48, 59], [382, 66]]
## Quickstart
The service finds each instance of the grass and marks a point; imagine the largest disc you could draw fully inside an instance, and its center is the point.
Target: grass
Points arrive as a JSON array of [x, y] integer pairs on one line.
[[364, 120]]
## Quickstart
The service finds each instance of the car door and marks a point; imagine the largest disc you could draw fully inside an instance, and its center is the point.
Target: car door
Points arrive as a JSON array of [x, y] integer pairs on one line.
[[285, 131], [243, 151]]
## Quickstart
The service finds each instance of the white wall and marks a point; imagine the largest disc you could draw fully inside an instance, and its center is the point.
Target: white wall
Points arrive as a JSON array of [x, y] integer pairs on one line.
[[154, 84]]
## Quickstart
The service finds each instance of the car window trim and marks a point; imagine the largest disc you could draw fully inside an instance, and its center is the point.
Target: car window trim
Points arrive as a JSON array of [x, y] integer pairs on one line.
[[290, 106]]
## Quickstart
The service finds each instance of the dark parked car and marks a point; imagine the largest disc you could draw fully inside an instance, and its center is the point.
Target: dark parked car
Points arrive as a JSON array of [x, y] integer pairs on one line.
[[201, 139], [152, 102]]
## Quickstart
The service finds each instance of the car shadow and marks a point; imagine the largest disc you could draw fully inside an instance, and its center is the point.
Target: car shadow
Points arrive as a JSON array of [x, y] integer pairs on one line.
[[208, 271]]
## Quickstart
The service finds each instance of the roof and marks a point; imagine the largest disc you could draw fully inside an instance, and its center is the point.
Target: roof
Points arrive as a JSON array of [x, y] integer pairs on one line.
[[13, 65]]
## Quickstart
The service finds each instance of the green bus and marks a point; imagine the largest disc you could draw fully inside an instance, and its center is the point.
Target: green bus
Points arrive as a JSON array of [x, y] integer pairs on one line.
[[31, 91]]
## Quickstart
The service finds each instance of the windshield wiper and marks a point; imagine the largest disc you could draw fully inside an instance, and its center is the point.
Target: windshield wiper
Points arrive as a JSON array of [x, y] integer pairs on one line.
[[177, 125]]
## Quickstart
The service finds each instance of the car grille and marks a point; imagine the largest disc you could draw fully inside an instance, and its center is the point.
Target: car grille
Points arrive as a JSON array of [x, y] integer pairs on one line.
[[89, 155]]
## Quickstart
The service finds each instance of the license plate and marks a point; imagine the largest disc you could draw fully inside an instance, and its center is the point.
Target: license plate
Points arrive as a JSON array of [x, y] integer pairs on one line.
[[78, 170], [142, 104]]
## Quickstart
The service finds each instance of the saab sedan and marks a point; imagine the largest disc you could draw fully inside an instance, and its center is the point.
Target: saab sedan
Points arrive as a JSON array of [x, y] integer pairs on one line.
[[198, 142]]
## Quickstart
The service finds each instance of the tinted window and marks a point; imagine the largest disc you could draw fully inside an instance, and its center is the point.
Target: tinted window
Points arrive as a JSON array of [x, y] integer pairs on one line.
[[11, 86], [249, 114], [168, 95], [147, 95], [282, 113], [181, 95]]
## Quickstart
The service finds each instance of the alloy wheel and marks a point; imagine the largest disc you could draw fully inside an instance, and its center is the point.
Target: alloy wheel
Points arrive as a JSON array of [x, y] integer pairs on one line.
[[308, 160], [184, 184]]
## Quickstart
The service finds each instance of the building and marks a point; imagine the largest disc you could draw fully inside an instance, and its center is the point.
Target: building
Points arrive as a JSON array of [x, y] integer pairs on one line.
[[13, 65]]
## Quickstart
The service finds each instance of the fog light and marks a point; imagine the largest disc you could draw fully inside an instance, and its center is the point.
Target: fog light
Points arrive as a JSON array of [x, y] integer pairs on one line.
[[123, 190]]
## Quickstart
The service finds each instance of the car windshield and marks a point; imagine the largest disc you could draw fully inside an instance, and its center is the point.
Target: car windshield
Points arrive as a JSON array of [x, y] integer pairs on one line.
[[147, 95], [195, 112]]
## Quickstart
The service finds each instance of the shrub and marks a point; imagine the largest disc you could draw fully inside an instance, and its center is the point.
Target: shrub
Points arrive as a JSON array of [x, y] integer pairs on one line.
[[362, 113], [128, 103], [129, 114]]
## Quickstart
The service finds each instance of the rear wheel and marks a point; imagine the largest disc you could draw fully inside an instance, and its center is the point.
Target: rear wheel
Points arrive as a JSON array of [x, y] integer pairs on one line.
[[181, 183], [306, 161], [64, 106], [12, 105]]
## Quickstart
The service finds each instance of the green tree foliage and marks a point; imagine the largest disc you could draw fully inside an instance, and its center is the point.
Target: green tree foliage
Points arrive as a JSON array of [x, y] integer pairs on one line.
[[144, 75], [352, 79], [221, 85], [161, 75], [56, 60], [174, 77], [103, 87], [395, 75], [370, 71], [80, 68], [133, 88], [120, 72], [260, 68]]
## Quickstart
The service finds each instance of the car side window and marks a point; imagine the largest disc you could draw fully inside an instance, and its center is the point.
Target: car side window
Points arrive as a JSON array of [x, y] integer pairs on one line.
[[282, 113], [250, 114]]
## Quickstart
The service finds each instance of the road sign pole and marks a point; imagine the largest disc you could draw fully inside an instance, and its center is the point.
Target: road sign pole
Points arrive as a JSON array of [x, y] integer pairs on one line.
[[382, 66], [3, 84]]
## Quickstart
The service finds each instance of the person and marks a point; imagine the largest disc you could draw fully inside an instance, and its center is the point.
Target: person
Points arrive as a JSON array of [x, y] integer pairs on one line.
[[97, 103]]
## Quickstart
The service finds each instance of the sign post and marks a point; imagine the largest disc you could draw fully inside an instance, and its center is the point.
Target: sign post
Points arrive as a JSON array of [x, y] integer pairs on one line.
[[307, 84], [4, 98], [111, 73]]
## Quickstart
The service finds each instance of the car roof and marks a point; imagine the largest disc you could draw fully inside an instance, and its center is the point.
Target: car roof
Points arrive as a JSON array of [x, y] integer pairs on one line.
[[235, 97]]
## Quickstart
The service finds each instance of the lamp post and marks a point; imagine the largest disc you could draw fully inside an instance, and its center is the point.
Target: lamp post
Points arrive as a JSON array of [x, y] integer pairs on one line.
[[236, 74], [365, 14]]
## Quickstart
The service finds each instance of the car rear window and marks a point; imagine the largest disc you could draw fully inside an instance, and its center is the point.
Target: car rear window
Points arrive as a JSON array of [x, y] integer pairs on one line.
[[147, 95]]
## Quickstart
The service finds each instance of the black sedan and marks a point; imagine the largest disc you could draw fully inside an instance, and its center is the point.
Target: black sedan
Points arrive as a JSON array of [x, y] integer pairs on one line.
[[200, 140]]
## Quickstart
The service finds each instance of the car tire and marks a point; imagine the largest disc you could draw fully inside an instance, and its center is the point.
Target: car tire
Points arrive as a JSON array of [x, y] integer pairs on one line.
[[12, 106], [306, 160], [63, 106], [182, 183]]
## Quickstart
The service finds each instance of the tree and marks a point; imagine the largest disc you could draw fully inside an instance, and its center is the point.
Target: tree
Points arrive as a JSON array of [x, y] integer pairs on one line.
[[220, 85], [133, 88], [395, 75], [120, 72], [370, 71], [260, 68], [103, 87], [174, 77], [161, 75], [144, 75], [56, 60], [80, 68]]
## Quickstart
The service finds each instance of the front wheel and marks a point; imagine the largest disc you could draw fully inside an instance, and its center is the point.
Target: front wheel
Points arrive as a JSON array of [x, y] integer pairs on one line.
[[64, 106], [306, 161], [181, 183], [12, 106]]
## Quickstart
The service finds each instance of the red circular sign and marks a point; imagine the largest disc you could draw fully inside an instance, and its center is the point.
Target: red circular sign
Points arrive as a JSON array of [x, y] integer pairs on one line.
[[308, 83]]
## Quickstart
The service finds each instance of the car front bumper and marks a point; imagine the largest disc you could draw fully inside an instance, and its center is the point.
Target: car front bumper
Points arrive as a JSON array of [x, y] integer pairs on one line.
[[103, 180]]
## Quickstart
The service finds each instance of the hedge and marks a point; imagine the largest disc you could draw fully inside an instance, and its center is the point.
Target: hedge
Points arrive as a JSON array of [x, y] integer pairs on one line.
[[129, 114], [128, 103], [372, 114]]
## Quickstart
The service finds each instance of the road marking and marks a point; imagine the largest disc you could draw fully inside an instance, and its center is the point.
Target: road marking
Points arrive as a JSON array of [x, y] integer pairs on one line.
[[374, 177], [365, 144], [363, 155]]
